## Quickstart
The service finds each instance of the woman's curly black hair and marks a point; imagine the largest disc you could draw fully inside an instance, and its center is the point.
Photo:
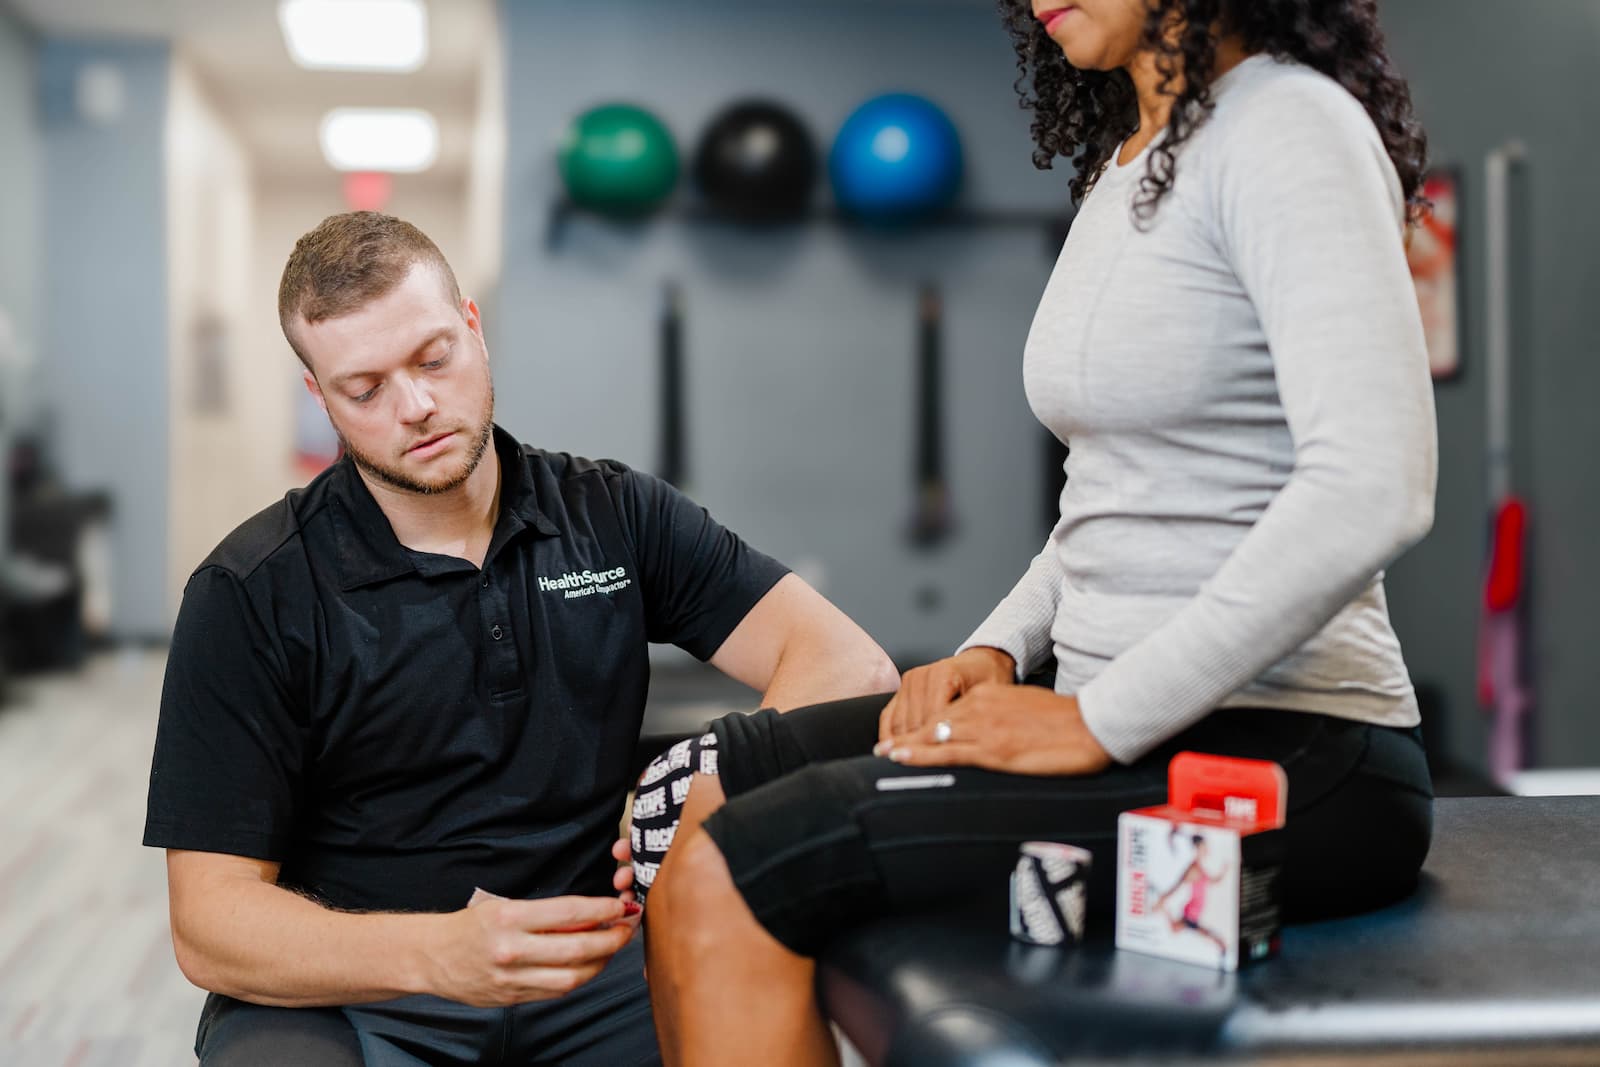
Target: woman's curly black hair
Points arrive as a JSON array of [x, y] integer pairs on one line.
[[1088, 113]]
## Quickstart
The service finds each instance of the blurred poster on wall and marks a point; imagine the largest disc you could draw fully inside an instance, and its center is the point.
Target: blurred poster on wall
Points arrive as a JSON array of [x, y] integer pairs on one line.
[[316, 446], [1435, 271], [209, 338]]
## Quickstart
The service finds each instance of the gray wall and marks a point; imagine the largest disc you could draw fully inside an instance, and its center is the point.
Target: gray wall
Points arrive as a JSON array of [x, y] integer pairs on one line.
[[104, 299], [800, 346], [19, 199], [19, 178], [1481, 73]]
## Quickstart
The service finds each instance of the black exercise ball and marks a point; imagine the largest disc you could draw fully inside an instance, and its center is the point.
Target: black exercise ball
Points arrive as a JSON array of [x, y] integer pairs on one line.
[[756, 162]]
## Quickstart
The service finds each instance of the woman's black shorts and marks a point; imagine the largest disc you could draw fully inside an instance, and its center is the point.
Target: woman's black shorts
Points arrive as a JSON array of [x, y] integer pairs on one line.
[[820, 835]]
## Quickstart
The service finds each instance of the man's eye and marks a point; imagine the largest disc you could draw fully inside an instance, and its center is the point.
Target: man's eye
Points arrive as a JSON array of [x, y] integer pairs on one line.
[[366, 396], [435, 364]]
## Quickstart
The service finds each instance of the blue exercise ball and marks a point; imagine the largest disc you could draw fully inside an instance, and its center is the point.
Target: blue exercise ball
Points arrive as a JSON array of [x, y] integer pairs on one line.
[[897, 157]]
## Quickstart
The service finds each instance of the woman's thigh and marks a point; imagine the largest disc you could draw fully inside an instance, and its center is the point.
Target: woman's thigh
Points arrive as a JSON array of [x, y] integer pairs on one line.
[[837, 843], [816, 842], [763, 747], [1361, 844]]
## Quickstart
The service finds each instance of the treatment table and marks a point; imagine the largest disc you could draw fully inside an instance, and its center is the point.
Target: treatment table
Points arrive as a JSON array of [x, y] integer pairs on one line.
[[1495, 960]]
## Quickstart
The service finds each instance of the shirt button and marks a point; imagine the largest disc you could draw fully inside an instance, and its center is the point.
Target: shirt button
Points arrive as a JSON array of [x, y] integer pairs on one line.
[[483, 580], [497, 633]]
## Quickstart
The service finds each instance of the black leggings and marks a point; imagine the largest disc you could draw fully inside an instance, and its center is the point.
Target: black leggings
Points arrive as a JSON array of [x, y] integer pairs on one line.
[[820, 836]]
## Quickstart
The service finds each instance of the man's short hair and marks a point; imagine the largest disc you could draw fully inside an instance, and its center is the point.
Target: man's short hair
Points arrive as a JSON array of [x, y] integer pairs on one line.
[[349, 260]]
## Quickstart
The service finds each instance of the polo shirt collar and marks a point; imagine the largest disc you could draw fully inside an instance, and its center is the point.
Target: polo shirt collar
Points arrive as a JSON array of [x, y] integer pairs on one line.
[[519, 494], [368, 550]]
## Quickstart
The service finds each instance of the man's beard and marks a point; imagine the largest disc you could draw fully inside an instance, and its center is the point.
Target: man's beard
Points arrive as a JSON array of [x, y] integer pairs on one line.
[[399, 479]]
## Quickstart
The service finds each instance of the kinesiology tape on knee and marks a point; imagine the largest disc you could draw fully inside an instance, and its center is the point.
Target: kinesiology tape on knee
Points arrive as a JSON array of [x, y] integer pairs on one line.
[[658, 803]]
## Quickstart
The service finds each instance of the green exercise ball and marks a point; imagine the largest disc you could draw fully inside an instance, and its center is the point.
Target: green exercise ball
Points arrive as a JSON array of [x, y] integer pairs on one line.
[[618, 159]]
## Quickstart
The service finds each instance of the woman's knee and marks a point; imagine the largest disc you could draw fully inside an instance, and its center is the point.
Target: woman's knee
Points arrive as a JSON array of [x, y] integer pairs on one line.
[[695, 885], [677, 790]]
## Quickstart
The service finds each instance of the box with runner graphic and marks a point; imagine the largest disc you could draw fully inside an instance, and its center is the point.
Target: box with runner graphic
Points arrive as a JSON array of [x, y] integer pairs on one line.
[[1197, 877]]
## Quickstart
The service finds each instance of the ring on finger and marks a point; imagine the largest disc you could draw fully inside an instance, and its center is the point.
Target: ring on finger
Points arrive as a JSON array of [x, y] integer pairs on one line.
[[942, 731]]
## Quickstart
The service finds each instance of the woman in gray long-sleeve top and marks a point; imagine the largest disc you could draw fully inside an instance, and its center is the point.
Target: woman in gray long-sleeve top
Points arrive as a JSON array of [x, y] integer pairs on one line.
[[1230, 345]]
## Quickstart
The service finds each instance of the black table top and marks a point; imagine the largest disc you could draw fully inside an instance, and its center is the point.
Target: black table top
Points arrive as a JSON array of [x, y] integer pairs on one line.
[[1496, 959]]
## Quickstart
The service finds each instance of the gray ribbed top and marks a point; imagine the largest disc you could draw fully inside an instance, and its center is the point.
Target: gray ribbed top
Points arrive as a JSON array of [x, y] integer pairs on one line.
[[1245, 391]]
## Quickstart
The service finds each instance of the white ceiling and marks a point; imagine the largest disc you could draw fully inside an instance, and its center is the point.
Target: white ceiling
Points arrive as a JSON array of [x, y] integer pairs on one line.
[[274, 105]]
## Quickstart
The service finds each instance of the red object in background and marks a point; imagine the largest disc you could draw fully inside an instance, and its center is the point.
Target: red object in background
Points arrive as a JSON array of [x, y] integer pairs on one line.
[[1432, 251], [1504, 583], [309, 466], [1499, 637], [316, 444], [367, 190]]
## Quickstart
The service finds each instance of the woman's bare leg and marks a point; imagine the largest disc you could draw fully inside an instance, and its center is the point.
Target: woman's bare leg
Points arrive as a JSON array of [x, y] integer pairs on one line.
[[723, 989]]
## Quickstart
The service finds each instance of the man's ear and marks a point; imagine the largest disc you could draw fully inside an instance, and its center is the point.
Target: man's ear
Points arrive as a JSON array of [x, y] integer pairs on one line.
[[314, 389]]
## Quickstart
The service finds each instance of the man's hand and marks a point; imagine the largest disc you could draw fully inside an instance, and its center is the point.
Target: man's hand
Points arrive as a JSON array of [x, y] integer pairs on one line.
[[926, 692], [1018, 729], [498, 952], [622, 878]]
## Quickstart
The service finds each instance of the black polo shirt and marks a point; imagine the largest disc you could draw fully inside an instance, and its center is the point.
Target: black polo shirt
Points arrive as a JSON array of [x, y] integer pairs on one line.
[[397, 727]]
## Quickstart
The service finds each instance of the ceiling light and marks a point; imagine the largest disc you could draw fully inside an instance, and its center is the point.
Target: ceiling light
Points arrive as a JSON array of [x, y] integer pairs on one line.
[[399, 140], [355, 34]]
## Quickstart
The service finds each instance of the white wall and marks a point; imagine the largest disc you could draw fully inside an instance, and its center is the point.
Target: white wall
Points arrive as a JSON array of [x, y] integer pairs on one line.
[[219, 474], [479, 272]]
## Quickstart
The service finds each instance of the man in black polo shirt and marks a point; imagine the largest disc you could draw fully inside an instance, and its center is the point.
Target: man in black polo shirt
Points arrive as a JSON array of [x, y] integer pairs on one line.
[[417, 682]]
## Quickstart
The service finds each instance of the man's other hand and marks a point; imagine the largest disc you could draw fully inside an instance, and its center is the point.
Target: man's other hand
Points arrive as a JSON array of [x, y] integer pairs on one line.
[[497, 952]]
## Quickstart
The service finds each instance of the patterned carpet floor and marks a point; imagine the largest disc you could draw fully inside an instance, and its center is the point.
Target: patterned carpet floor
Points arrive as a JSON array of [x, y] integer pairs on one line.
[[87, 976]]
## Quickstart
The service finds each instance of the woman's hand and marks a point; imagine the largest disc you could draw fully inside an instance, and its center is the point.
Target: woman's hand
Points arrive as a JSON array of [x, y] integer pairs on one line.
[[926, 692], [1018, 729]]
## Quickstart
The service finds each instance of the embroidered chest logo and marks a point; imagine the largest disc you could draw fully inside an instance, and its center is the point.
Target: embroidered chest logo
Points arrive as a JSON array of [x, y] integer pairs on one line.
[[574, 584]]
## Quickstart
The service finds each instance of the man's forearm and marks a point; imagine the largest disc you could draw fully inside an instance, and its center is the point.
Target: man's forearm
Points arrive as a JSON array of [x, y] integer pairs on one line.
[[259, 942], [828, 666], [798, 649]]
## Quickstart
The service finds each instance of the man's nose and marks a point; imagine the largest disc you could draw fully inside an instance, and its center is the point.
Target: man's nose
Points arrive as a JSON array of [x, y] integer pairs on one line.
[[416, 401]]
